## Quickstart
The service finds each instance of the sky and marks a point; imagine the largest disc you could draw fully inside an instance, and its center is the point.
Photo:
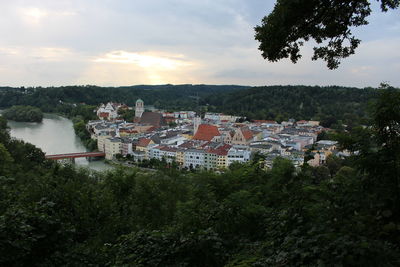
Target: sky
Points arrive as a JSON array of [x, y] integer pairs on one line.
[[129, 42]]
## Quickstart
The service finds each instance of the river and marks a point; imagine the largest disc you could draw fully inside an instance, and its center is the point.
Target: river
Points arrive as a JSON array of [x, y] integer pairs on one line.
[[54, 135]]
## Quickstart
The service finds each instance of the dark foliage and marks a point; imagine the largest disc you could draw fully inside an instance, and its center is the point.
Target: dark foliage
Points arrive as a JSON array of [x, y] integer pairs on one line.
[[331, 105], [59, 99], [344, 213], [23, 113]]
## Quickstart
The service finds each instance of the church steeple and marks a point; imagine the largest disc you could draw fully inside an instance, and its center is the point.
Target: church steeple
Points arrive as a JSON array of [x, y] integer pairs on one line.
[[139, 108]]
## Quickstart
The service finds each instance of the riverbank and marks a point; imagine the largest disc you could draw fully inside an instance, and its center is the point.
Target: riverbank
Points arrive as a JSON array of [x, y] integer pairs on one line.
[[55, 135], [23, 114]]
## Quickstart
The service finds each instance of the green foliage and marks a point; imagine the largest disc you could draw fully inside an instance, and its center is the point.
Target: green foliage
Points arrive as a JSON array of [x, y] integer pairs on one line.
[[23, 113], [62, 99], [81, 131], [333, 105], [344, 213], [5, 160], [298, 102], [155, 248], [127, 114], [328, 23]]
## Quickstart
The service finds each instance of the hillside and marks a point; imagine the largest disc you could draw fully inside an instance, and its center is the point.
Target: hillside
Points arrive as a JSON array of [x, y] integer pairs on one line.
[[332, 105], [328, 104], [165, 96]]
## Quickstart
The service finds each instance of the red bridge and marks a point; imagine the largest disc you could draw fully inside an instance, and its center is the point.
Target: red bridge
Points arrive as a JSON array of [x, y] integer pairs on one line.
[[76, 155]]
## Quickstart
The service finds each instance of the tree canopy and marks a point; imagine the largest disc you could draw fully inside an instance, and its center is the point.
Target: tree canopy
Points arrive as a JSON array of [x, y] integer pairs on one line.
[[23, 113], [327, 22]]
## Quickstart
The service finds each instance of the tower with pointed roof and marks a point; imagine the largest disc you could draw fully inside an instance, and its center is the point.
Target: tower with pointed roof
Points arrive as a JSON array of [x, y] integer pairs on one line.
[[139, 108]]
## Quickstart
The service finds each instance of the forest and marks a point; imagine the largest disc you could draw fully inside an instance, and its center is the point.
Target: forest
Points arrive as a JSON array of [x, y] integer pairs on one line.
[[332, 105], [344, 213], [51, 99], [23, 113]]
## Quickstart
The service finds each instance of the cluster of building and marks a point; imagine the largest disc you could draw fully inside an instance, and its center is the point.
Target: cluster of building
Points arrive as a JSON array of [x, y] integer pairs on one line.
[[213, 142]]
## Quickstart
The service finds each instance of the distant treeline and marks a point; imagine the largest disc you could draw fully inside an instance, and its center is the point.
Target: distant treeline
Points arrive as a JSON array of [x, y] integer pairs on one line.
[[165, 96], [332, 105], [23, 113]]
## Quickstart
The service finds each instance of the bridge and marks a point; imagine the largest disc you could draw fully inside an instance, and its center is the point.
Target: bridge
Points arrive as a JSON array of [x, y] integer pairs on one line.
[[76, 155]]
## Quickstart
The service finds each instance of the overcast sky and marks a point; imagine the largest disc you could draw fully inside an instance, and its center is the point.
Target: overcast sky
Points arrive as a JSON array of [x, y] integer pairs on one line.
[[128, 42]]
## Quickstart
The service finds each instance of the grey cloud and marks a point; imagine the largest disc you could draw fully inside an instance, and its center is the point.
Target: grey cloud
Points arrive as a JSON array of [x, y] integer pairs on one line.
[[216, 35]]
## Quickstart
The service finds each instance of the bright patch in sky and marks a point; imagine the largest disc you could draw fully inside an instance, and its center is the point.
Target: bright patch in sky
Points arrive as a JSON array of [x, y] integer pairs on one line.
[[145, 60], [34, 14]]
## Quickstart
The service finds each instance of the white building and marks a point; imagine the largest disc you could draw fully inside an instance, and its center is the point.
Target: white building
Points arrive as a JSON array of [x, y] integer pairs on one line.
[[113, 146], [174, 140], [163, 152], [108, 112], [194, 158], [101, 141], [238, 155]]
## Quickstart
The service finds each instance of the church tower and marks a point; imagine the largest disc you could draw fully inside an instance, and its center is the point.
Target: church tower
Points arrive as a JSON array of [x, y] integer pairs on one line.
[[139, 108], [196, 124]]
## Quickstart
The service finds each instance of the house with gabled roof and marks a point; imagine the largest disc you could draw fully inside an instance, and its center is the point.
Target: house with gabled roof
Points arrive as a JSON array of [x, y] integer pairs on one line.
[[143, 145], [108, 111], [242, 136]]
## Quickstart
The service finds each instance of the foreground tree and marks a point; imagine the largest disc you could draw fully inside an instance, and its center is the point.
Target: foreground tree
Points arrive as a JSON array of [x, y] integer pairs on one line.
[[327, 22]]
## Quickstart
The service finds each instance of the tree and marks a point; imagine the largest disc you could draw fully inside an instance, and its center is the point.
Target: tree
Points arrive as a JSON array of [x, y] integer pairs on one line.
[[23, 113], [5, 160], [327, 22]]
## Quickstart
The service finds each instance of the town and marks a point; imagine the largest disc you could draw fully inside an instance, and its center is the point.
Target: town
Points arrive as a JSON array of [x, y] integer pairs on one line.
[[213, 142]]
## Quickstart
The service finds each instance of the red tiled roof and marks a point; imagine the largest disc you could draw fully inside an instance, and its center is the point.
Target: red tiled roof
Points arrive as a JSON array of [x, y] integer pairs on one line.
[[187, 144], [205, 145], [247, 134], [169, 119], [206, 132], [221, 151], [127, 131], [103, 115], [151, 129], [153, 118], [144, 142], [167, 148]]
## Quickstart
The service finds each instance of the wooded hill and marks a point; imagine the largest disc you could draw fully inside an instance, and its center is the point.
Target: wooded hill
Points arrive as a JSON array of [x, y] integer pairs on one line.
[[23, 113], [327, 104], [332, 105]]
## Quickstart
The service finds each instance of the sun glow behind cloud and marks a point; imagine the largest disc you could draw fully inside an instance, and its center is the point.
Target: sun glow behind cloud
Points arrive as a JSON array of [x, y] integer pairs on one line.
[[145, 60], [35, 13], [152, 67], [35, 16]]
